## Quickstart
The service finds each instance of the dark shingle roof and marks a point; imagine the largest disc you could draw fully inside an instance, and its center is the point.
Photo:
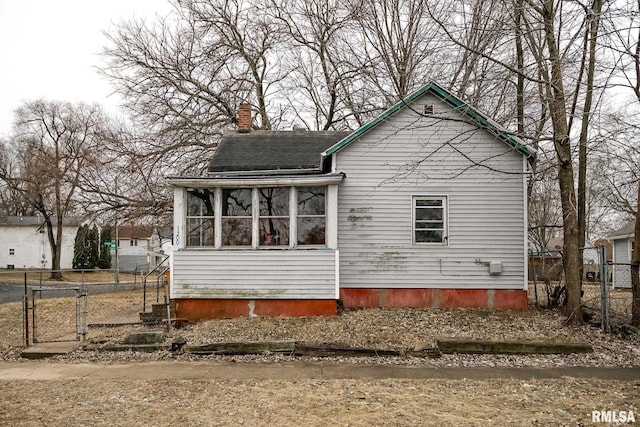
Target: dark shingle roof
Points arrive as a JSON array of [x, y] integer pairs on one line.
[[272, 150]]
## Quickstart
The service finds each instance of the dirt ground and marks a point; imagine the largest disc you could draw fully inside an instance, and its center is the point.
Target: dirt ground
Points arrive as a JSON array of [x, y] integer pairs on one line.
[[363, 402], [565, 402]]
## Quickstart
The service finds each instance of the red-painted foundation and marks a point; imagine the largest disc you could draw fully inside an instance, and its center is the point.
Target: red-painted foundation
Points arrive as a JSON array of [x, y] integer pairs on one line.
[[442, 298], [195, 310], [200, 309]]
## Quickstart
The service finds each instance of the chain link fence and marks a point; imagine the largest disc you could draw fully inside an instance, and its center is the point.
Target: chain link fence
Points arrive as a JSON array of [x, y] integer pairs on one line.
[[62, 305], [606, 286]]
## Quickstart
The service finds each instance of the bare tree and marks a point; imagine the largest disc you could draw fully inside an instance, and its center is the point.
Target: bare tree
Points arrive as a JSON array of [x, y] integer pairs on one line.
[[182, 77], [545, 213], [626, 48], [550, 34], [401, 48], [53, 145], [321, 70]]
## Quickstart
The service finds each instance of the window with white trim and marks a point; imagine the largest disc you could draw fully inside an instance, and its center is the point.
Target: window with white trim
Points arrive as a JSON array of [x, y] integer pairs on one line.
[[311, 215], [274, 216], [430, 220], [237, 216], [200, 217]]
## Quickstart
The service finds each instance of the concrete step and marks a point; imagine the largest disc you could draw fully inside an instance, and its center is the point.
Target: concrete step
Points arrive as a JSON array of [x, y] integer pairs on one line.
[[49, 349]]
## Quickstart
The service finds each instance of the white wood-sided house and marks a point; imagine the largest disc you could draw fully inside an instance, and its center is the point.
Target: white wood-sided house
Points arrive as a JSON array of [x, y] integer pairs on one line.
[[135, 248], [24, 242], [424, 206], [623, 241]]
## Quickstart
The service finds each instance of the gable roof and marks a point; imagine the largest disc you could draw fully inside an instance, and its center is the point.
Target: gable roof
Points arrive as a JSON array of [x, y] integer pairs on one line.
[[271, 150], [627, 230], [134, 232], [446, 96]]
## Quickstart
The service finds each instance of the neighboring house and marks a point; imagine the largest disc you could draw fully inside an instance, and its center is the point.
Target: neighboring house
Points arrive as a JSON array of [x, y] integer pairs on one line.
[[546, 264], [424, 206], [623, 241], [133, 248], [24, 242]]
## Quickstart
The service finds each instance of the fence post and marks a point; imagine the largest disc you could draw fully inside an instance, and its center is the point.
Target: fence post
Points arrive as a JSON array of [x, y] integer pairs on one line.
[[26, 312], [604, 289]]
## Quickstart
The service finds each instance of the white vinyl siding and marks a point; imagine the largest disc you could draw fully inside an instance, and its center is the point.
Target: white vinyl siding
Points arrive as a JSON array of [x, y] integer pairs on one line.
[[302, 274], [622, 255], [408, 156]]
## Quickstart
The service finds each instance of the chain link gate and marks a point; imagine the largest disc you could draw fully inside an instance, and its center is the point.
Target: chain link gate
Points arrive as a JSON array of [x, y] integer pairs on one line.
[[613, 300], [44, 329]]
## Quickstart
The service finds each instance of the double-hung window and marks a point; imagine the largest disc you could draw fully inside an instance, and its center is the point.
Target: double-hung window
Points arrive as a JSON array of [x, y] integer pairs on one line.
[[200, 217], [430, 220]]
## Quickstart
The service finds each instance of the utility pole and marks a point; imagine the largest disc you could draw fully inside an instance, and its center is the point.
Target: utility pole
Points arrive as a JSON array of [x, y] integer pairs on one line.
[[117, 266]]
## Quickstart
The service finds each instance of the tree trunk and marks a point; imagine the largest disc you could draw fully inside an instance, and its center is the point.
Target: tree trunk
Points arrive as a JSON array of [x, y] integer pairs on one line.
[[557, 108], [56, 248], [594, 24]]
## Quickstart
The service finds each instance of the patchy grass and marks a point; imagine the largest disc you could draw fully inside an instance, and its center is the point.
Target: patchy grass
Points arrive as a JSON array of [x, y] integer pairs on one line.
[[57, 316], [313, 402], [43, 276]]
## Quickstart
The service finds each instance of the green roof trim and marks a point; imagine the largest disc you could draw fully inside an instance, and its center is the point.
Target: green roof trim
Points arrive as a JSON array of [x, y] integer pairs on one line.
[[446, 96]]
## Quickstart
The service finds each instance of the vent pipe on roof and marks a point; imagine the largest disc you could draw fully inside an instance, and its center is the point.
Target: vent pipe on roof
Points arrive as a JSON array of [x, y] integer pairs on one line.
[[244, 118]]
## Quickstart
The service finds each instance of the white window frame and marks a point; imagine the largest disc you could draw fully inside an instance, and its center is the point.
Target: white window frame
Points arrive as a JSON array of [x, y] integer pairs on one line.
[[276, 217], [323, 216], [255, 218], [200, 217], [445, 220]]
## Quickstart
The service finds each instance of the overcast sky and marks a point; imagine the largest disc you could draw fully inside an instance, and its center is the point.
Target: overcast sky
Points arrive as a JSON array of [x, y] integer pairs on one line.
[[49, 49]]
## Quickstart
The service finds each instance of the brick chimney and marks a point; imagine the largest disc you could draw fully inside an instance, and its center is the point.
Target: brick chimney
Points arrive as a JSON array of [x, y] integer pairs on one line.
[[244, 118]]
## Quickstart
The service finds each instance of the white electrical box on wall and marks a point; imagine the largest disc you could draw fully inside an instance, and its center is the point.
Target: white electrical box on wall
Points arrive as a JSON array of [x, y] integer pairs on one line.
[[495, 267]]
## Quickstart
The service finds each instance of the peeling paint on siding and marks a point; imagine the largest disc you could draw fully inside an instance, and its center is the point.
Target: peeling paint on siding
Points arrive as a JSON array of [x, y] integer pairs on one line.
[[358, 215]]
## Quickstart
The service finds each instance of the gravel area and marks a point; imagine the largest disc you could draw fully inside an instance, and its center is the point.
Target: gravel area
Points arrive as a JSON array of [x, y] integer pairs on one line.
[[381, 328], [362, 402], [390, 329]]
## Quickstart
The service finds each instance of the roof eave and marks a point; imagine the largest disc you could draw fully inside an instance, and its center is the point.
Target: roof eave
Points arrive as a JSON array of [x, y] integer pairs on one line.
[[256, 180]]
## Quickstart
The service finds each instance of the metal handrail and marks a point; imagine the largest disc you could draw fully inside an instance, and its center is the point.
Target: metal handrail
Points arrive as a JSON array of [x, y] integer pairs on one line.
[[144, 281]]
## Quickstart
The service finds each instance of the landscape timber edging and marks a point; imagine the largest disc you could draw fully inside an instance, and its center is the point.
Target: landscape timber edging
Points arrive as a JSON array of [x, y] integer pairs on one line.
[[472, 346], [444, 345]]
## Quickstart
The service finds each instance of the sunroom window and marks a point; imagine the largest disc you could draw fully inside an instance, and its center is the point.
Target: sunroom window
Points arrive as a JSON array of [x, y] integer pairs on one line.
[[283, 217], [430, 220], [200, 217], [274, 216], [236, 217], [311, 215]]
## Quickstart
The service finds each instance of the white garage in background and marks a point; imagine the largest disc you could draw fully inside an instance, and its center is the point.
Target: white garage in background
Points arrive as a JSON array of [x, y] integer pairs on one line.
[[24, 244]]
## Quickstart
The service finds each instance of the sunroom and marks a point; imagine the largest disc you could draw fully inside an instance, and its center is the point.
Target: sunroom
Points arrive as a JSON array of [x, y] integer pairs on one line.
[[252, 238]]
